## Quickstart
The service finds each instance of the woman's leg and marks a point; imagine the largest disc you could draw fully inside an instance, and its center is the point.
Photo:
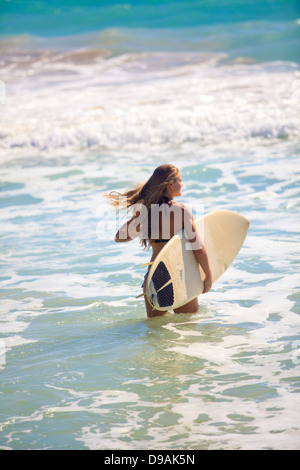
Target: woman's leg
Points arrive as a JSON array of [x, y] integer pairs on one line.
[[190, 307], [151, 312]]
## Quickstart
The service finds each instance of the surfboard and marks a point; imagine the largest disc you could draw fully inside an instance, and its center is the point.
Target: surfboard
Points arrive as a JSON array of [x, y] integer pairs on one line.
[[175, 277]]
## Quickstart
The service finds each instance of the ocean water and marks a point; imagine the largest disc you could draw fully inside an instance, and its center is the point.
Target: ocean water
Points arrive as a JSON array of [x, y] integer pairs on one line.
[[93, 98]]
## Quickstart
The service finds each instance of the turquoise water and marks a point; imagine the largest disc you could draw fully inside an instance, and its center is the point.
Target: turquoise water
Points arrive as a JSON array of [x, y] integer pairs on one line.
[[53, 18], [259, 29], [87, 109]]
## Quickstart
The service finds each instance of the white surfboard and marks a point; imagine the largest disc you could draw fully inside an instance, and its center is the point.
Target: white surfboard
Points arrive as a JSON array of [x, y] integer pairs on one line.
[[175, 277]]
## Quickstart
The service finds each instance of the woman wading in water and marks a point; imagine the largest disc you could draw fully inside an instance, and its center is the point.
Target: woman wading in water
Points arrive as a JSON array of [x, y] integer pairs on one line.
[[157, 218]]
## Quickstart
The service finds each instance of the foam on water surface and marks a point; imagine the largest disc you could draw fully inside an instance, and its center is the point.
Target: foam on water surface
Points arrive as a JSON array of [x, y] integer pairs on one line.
[[81, 366], [146, 101], [76, 338]]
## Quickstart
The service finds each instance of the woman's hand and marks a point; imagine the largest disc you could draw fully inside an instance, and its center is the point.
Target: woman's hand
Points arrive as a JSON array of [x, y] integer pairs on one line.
[[207, 283]]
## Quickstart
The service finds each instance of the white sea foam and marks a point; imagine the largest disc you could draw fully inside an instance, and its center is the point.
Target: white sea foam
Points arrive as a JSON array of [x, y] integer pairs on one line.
[[224, 378], [145, 101]]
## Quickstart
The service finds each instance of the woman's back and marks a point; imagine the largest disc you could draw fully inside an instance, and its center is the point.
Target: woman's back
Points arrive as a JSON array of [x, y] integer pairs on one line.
[[166, 220]]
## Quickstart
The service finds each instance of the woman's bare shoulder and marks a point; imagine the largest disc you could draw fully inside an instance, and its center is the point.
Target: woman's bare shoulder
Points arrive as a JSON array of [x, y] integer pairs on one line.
[[181, 205], [178, 204]]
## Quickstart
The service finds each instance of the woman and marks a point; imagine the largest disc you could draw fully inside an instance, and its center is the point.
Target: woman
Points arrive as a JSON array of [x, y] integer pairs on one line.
[[156, 218]]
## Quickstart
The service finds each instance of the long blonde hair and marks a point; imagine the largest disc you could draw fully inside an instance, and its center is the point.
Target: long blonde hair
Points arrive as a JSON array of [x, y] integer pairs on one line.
[[151, 192]]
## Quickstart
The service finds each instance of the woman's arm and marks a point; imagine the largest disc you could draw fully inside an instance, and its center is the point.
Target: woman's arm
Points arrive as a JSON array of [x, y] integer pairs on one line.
[[127, 233], [198, 247], [202, 258]]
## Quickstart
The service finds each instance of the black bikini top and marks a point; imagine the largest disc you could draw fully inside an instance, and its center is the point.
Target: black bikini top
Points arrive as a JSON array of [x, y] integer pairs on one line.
[[163, 240], [166, 199]]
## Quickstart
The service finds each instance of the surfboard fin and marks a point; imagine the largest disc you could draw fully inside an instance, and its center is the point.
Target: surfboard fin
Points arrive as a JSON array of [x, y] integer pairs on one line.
[[146, 264], [140, 295]]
